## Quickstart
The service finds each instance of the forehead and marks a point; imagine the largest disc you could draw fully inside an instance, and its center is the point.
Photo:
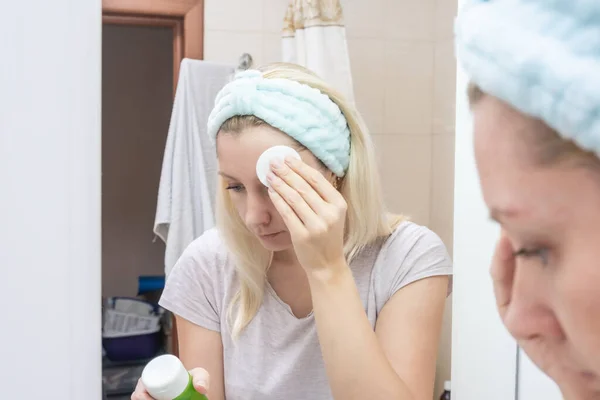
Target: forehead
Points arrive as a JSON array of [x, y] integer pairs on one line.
[[506, 156], [253, 138], [514, 181], [500, 129], [237, 153]]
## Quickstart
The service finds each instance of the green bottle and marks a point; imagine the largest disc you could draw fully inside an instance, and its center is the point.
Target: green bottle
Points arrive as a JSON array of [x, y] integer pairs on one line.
[[165, 378]]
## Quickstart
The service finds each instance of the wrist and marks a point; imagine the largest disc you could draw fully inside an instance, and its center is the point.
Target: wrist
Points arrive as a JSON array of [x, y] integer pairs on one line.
[[329, 274]]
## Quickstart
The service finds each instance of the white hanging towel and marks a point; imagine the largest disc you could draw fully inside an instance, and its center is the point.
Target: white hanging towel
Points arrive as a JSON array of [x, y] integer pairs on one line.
[[314, 36], [186, 195]]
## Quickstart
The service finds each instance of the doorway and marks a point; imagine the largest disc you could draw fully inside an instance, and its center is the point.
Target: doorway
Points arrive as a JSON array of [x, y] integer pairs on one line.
[[136, 108], [143, 44]]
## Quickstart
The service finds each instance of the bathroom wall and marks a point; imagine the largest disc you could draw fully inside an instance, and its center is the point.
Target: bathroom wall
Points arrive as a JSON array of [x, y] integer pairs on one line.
[[404, 80], [50, 109]]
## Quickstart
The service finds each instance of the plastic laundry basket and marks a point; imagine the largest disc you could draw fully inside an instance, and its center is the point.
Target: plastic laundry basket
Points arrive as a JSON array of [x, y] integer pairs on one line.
[[131, 329]]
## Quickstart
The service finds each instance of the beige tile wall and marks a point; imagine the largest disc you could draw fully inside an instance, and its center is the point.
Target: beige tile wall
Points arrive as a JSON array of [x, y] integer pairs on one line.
[[442, 177], [404, 81]]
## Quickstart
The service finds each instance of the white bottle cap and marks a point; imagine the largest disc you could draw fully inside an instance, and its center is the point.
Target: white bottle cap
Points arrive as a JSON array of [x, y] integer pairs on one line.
[[447, 385], [263, 165], [165, 377]]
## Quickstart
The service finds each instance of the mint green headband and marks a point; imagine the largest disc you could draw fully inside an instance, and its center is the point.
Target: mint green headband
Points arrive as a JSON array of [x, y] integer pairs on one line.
[[300, 111], [540, 56]]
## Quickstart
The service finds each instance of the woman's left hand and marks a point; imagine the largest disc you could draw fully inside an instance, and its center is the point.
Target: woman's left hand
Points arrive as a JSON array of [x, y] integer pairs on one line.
[[313, 211]]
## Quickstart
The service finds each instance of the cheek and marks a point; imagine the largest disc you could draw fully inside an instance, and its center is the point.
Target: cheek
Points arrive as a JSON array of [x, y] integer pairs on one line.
[[577, 297], [580, 266], [239, 202]]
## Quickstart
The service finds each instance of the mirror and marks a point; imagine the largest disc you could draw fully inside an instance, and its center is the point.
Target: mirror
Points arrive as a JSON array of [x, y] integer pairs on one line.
[[402, 81]]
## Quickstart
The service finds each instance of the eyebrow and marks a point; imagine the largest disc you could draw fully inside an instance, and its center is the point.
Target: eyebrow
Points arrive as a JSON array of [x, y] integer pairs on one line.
[[227, 176], [498, 214]]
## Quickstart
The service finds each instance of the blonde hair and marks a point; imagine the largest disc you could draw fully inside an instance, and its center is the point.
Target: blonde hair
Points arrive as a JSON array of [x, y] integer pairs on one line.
[[366, 219]]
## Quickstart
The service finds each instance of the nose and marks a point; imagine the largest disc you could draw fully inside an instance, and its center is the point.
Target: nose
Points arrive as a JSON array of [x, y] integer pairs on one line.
[[530, 312], [258, 209]]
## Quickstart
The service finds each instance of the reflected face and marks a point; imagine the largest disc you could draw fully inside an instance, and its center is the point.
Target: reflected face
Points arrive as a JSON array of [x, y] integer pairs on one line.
[[552, 211], [237, 156]]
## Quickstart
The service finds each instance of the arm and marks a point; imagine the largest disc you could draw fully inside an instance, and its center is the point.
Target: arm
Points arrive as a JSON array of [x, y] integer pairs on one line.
[[361, 363], [395, 362], [409, 329], [201, 347], [191, 294]]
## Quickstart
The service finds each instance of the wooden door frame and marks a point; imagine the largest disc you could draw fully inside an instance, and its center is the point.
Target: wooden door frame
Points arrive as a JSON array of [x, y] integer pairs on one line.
[[185, 17], [176, 24]]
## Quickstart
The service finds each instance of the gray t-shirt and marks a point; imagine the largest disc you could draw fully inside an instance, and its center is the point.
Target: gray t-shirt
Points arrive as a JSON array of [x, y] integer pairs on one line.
[[278, 356]]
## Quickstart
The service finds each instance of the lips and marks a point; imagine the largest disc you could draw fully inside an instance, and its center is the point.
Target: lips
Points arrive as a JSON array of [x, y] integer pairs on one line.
[[270, 235]]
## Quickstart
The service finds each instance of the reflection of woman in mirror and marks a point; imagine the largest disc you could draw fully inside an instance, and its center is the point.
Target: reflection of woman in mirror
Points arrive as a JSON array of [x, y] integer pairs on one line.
[[307, 290], [535, 96]]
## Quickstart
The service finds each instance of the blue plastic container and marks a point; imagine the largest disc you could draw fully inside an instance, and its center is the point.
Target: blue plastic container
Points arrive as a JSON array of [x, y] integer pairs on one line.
[[150, 283], [129, 348]]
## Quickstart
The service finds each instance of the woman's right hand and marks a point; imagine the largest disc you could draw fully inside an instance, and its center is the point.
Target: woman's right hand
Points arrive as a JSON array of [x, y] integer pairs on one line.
[[200, 379]]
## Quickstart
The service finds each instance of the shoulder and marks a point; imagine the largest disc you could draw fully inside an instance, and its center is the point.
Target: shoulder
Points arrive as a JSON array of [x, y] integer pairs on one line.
[[206, 254], [412, 252], [410, 240], [196, 286], [209, 244]]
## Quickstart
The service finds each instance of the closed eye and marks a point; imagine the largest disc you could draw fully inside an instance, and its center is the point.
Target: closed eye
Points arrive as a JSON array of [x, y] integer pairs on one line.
[[235, 188], [542, 253]]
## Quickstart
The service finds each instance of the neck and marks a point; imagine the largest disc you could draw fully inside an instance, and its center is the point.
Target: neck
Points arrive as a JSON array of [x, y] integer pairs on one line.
[[286, 257]]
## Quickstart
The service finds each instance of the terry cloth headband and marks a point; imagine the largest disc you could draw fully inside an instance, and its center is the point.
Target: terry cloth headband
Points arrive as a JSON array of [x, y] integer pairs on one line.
[[302, 112], [540, 56]]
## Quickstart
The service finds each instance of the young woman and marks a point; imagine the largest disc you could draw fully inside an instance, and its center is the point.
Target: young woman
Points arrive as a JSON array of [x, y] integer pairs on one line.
[[308, 289], [535, 94]]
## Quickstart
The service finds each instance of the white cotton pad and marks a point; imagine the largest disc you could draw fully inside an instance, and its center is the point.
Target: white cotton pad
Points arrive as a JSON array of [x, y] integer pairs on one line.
[[263, 165]]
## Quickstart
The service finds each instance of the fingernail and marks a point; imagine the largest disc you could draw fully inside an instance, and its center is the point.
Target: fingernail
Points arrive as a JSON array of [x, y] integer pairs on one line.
[[200, 383], [291, 160], [276, 163], [271, 177]]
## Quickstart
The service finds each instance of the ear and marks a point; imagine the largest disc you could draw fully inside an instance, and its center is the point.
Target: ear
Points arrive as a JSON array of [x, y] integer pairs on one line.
[[336, 182], [330, 176]]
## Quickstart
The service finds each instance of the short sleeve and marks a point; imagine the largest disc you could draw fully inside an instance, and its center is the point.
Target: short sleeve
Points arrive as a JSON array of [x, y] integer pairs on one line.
[[412, 253], [192, 285]]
